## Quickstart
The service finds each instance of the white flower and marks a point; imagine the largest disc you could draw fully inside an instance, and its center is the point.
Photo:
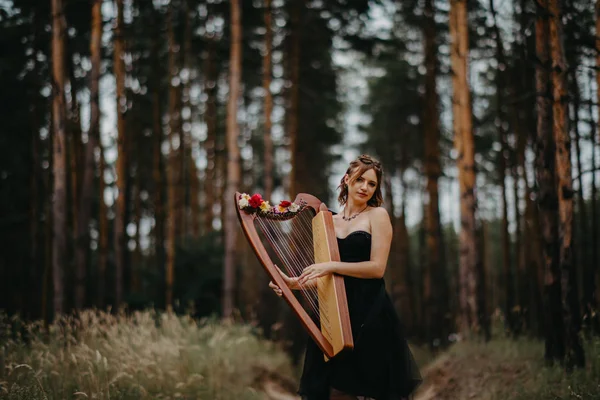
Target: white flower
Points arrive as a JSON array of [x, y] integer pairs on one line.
[[265, 206], [243, 202], [294, 207], [246, 196]]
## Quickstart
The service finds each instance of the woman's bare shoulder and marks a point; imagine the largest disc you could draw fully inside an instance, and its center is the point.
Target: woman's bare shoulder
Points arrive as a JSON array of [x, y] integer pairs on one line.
[[379, 212], [379, 216]]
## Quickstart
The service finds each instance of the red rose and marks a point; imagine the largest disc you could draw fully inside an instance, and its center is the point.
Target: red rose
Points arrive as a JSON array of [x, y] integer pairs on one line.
[[255, 201], [285, 203]]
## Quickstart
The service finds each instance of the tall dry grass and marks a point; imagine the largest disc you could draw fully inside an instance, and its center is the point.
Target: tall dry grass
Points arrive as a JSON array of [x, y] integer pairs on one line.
[[146, 355]]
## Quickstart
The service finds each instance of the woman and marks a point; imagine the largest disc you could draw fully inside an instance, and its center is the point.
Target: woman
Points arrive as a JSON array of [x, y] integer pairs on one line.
[[381, 365]]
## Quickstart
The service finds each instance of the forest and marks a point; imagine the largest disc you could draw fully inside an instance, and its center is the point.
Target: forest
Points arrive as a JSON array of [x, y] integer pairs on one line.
[[130, 124]]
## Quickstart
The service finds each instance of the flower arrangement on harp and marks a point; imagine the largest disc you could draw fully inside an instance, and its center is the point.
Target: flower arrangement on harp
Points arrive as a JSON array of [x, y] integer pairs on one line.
[[256, 204]]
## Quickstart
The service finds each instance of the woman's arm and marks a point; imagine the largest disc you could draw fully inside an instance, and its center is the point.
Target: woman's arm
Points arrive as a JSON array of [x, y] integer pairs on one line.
[[381, 239]]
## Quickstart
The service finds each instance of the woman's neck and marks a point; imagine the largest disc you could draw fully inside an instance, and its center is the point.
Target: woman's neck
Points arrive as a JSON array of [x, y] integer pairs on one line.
[[352, 207]]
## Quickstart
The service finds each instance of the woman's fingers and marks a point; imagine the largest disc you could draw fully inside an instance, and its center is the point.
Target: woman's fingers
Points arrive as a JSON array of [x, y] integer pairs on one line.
[[306, 272], [275, 288], [304, 278], [294, 283], [281, 272]]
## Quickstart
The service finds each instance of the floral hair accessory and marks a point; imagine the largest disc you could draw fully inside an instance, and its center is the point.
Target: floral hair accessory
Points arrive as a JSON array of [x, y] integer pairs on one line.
[[255, 204]]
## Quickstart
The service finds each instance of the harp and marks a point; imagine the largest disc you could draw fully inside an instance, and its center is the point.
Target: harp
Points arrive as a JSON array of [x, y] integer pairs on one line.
[[299, 235]]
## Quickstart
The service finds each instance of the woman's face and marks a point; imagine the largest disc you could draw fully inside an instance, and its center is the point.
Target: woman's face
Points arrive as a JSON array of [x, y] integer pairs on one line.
[[363, 187]]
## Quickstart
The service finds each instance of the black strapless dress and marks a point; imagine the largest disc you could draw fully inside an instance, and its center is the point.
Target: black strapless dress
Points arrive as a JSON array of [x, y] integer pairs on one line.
[[381, 365]]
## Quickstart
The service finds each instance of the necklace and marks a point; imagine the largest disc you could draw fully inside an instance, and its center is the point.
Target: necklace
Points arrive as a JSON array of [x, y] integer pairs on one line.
[[347, 219]]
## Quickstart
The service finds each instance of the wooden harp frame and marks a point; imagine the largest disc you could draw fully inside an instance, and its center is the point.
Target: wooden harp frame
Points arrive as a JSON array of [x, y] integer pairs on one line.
[[325, 246]]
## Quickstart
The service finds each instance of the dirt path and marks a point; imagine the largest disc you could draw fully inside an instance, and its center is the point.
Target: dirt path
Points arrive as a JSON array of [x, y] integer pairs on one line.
[[437, 379]]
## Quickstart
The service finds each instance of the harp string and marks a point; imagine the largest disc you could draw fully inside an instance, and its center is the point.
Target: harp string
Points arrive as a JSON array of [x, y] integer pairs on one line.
[[302, 230], [301, 252], [273, 233], [292, 241]]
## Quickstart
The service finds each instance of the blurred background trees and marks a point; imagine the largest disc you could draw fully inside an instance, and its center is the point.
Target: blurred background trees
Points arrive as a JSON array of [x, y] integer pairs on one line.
[[129, 124]]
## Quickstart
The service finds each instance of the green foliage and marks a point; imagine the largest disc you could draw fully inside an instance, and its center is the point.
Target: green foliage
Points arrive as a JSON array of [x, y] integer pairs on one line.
[[199, 266], [394, 105], [198, 280], [319, 107], [24, 107], [147, 355]]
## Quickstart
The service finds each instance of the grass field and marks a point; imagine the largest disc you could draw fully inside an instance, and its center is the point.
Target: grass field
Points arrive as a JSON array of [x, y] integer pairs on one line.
[[506, 369], [142, 356], [149, 355]]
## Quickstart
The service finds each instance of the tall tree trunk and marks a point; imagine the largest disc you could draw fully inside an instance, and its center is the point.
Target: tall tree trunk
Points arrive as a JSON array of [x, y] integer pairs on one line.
[[102, 232], [211, 133], [49, 227], [121, 181], [172, 166], [177, 137], [158, 173], [59, 166], [158, 177], [520, 278], [598, 62], [294, 97], [401, 278], [74, 153], [267, 72], [33, 278], [194, 200], [453, 270], [233, 159], [536, 266], [136, 265], [598, 122], [574, 350], [523, 251], [87, 191], [509, 293], [489, 264], [508, 278], [547, 196], [180, 166], [34, 215], [594, 320], [520, 275], [434, 279], [221, 178], [186, 124], [471, 274], [420, 276], [388, 203], [585, 272]]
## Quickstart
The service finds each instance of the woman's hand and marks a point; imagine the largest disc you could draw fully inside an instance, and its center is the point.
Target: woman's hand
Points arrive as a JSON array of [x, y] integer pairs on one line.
[[292, 283], [315, 271], [275, 288]]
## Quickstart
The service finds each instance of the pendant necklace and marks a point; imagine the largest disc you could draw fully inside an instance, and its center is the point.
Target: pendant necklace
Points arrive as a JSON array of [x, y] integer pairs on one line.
[[347, 219]]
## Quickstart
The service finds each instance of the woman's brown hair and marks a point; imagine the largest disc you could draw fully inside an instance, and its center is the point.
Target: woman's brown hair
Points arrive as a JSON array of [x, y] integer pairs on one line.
[[356, 169]]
